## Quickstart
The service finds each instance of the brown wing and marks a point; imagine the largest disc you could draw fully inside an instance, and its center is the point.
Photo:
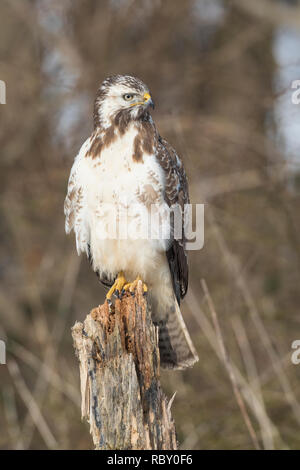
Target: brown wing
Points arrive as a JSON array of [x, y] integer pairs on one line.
[[176, 191]]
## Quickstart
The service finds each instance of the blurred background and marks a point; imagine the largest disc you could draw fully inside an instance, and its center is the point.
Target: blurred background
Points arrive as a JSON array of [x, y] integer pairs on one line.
[[221, 74]]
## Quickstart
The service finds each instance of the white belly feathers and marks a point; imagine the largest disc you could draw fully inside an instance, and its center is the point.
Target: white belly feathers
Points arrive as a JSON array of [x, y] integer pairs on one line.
[[115, 184]]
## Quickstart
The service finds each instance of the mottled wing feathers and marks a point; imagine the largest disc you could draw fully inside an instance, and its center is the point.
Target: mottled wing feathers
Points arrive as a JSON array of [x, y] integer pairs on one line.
[[75, 206], [176, 192], [178, 265]]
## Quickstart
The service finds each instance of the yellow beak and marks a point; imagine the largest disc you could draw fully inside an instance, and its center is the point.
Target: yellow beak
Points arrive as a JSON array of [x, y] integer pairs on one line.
[[147, 100]]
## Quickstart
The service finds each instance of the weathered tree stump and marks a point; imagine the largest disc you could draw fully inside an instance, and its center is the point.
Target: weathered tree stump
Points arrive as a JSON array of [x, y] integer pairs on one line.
[[117, 348]]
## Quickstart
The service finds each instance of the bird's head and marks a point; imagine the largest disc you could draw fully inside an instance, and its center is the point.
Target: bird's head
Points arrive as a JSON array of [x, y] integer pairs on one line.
[[121, 97]]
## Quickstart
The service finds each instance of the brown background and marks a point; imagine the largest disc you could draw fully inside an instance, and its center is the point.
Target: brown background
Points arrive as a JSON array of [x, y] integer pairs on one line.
[[212, 73]]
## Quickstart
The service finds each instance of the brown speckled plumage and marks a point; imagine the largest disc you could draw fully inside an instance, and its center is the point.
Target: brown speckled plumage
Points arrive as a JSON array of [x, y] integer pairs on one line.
[[164, 182]]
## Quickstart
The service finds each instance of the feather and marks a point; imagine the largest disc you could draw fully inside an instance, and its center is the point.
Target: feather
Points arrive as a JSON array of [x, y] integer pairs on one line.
[[125, 163]]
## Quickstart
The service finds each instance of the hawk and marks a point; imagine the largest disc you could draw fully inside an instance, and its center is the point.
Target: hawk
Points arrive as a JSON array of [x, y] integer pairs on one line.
[[126, 163]]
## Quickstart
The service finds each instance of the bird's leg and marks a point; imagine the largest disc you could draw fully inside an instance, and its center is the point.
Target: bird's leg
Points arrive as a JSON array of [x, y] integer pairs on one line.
[[131, 286], [117, 286]]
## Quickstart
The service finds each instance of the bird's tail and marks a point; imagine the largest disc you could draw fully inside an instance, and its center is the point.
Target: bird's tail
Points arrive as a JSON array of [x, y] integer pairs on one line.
[[175, 345]]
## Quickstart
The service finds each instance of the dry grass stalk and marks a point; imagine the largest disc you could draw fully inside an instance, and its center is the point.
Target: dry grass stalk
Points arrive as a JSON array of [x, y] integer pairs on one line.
[[229, 367], [253, 377], [249, 392], [236, 270], [32, 406]]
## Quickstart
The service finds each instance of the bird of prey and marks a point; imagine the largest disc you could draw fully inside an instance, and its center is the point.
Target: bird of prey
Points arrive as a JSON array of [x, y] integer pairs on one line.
[[126, 163]]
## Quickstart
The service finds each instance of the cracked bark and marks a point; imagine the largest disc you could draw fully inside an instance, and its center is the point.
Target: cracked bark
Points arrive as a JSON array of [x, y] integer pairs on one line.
[[122, 399]]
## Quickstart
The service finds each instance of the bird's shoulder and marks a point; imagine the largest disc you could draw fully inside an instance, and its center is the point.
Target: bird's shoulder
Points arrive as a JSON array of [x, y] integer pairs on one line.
[[176, 179]]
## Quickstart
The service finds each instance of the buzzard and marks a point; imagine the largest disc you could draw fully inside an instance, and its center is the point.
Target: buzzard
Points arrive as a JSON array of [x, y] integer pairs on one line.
[[125, 163]]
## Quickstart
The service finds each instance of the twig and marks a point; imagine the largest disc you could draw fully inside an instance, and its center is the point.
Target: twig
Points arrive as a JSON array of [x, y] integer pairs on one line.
[[11, 414], [229, 368], [250, 365], [64, 304], [31, 405], [234, 266], [49, 374], [247, 391]]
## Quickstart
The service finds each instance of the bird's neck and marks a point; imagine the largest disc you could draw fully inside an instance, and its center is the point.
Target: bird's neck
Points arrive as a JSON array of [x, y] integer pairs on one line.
[[145, 135]]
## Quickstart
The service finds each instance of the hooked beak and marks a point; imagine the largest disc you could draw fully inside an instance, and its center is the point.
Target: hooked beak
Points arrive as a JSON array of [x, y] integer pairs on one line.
[[148, 100]]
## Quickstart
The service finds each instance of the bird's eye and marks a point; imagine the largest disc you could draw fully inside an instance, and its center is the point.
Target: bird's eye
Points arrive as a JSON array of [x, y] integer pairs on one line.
[[128, 97]]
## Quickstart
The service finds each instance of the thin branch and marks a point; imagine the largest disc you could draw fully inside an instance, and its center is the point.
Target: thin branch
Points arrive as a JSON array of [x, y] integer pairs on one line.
[[250, 365], [228, 366], [248, 393], [31, 405]]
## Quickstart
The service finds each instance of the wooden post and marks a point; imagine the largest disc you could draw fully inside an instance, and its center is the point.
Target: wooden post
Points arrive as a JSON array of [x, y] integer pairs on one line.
[[117, 348]]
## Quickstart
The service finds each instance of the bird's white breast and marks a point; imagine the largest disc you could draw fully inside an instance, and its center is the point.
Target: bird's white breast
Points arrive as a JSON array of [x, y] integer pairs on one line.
[[116, 176], [115, 179]]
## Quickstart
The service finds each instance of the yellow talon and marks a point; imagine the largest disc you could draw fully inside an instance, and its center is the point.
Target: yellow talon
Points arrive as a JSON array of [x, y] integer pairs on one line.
[[145, 287], [131, 286], [118, 285]]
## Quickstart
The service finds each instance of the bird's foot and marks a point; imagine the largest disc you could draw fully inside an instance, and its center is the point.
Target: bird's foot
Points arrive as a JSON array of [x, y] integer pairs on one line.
[[131, 286], [117, 286]]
